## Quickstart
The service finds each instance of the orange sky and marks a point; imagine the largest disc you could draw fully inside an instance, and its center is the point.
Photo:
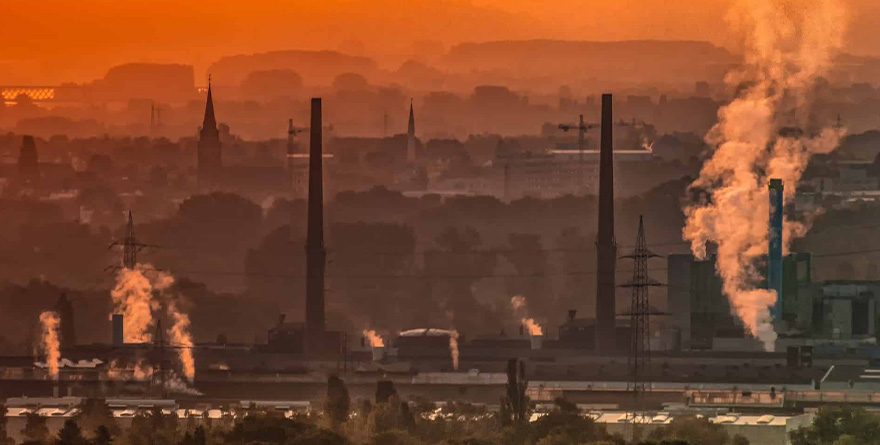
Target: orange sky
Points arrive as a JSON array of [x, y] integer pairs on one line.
[[77, 40]]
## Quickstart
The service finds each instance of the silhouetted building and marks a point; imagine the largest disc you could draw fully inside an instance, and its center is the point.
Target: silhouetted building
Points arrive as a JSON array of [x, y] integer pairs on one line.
[[210, 162], [606, 245], [64, 309], [411, 136], [28, 161]]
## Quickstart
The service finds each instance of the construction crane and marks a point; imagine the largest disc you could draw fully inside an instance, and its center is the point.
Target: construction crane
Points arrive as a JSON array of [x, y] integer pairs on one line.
[[582, 128]]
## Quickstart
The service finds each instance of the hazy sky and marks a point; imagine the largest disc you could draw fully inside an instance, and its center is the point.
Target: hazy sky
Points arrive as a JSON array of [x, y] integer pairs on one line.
[[51, 41]]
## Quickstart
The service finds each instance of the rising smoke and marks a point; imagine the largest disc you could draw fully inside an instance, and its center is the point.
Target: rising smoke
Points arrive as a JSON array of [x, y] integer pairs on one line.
[[375, 339], [518, 303], [766, 132], [453, 348], [133, 298], [137, 294], [182, 340], [51, 343]]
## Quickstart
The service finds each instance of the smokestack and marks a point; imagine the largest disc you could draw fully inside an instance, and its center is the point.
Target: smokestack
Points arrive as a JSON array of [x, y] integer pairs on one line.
[[774, 260], [606, 246], [64, 309], [315, 254], [537, 341], [118, 330]]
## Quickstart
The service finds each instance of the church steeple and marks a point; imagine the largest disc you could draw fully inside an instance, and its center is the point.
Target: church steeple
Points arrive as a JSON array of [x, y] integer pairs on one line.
[[411, 135], [210, 162], [210, 121]]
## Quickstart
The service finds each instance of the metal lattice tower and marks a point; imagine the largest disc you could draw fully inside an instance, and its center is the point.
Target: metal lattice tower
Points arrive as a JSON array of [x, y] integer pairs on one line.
[[640, 313], [130, 246]]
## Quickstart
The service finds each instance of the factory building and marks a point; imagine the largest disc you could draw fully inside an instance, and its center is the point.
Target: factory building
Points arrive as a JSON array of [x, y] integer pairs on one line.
[[557, 173], [701, 313]]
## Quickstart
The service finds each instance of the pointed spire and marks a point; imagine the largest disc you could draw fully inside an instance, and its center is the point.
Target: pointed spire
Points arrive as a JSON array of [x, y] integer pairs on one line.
[[411, 135], [210, 121]]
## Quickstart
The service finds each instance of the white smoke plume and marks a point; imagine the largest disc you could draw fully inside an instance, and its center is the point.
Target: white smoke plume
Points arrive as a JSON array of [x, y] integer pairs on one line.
[[453, 348], [518, 303], [765, 132], [141, 371], [182, 340], [137, 294], [133, 298], [175, 384], [51, 344], [375, 339]]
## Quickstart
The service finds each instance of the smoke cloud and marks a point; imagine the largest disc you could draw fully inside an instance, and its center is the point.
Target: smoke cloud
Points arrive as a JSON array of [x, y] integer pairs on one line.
[[518, 303], [766, 132], [453, 348], [141, 371], [182, 340], [137, 294], [133, 298], [51, 343]]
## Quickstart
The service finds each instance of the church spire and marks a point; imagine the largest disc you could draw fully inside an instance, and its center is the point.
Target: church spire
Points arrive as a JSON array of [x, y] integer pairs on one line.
[[210, 121], [411, 135]]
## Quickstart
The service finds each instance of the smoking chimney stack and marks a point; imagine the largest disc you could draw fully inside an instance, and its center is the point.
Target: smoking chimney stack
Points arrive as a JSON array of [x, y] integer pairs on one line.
[[315, 254], [606, 246]]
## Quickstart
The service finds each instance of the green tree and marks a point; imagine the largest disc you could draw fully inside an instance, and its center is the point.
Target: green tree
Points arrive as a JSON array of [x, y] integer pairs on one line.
[[35, 429], [102, 436], [839, 424], [385, 391], [319, 436], [693, 431], [70, 434], [153, 428], [4, 435], [338, 402], [95, 413], [514, 405], [565, 423], [198, 437]]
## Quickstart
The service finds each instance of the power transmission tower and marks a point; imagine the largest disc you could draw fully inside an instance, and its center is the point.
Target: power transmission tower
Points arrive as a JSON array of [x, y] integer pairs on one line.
[[640, 313], [130, 247]]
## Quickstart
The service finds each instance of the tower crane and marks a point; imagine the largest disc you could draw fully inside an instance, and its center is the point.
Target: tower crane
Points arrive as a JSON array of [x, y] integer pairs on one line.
[[582, 128]]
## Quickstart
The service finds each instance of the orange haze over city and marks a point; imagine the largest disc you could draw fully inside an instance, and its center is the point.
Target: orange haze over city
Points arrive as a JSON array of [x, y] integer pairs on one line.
[[58, 41]]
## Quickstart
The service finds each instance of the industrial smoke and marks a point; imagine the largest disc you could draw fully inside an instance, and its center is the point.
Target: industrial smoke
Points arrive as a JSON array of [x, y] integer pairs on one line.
[[766, 131], [375, 339], [51, 344], [453, 348], [133, 298], [137, 294], [182, 339], [518, 303]]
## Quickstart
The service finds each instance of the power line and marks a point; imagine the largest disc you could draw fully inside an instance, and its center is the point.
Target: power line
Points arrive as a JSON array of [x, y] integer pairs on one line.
[[385, 276]]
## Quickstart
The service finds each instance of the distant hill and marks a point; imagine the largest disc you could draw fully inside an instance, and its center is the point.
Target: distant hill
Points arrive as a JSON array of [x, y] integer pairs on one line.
[[624, 61], [315, 67]]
